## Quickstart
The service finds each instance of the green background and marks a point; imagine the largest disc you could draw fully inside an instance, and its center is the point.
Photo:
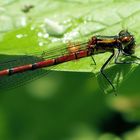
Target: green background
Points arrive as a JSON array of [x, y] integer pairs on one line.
[[68, 103]]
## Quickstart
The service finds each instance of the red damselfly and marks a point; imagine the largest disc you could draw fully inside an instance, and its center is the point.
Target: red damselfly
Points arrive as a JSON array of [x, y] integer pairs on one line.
[[124, 43]]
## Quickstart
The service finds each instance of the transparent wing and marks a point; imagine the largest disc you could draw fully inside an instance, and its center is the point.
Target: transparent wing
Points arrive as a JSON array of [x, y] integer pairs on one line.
[[49, 54], [12, 81], [19, 79]]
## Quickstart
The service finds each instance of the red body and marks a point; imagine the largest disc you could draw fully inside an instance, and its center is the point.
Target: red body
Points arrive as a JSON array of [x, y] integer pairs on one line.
[[94, 46], [45, 63]]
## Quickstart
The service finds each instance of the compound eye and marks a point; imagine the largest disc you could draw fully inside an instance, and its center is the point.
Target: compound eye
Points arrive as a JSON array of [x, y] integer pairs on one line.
[[126, 39]]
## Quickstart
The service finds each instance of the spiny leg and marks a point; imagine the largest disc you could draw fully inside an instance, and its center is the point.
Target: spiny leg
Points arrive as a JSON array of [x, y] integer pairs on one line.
[[103, 68], [91, 76]]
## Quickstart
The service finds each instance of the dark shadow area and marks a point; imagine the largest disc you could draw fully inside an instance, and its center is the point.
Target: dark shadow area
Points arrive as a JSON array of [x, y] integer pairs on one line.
[[131, 84], [117, 74], [59, 116], [116, 124]]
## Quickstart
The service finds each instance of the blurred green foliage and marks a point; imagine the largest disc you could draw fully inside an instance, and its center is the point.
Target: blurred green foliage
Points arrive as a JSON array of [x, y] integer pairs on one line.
[[69, 105]]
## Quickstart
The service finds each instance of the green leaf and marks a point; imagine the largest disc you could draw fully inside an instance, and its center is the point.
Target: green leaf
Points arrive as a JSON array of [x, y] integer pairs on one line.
[[50, 24]]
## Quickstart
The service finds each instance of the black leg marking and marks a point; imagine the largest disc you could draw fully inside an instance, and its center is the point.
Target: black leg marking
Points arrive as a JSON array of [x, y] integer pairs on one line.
[[11, 71], [103, 68], [93, 60]]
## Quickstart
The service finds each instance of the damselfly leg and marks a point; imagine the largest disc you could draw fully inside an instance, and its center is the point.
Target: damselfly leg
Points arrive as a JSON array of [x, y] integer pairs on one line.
[[104, 81], [93, 60], [103, 68]]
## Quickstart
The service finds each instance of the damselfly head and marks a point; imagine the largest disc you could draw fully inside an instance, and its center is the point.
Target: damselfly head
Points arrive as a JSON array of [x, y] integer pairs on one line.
[[128, 42]]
